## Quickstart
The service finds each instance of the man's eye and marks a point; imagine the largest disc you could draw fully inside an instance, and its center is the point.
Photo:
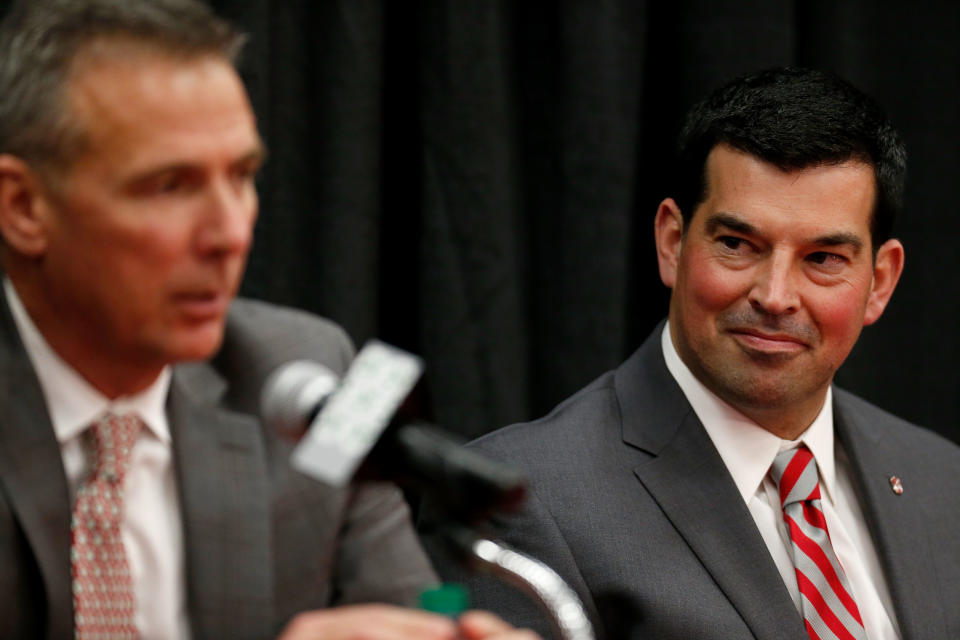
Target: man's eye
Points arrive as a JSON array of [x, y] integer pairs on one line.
[[245, 174], [731, 242], [169, 185], [826, 258]]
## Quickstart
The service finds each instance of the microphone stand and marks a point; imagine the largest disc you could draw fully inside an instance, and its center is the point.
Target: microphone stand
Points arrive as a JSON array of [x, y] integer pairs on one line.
[[534, 578]]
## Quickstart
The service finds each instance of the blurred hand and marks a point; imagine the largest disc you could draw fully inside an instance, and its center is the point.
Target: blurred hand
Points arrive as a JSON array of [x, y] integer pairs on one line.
[[483, 625], [387, 622], [369, 622]]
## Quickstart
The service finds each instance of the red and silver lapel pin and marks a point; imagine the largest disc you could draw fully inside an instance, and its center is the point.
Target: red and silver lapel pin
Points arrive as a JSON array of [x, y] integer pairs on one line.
[[896, 484]]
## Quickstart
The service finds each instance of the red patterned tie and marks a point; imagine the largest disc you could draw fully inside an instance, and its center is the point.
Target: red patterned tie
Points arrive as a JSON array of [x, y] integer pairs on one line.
[[829, 611], [103, 600]]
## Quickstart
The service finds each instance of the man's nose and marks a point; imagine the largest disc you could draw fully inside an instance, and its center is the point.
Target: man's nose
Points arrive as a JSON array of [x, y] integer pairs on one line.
[[774, 290], [228, 217]]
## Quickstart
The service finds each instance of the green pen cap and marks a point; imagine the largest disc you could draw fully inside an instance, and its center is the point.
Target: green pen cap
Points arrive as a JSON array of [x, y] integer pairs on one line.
[[448, 599]]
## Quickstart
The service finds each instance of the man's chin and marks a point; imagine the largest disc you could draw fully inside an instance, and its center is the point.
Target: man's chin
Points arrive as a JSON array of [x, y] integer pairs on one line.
[[200, 343], [770, 394]]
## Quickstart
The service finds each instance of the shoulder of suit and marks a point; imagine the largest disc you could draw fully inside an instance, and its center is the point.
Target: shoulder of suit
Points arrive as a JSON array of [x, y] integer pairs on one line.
[[263, 317], [595, 412], [266, 332], [258, 338], [889, 426], [584, 415]]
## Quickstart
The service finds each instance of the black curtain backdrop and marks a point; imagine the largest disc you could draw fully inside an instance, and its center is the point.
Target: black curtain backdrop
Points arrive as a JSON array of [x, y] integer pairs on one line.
[[476, 180]]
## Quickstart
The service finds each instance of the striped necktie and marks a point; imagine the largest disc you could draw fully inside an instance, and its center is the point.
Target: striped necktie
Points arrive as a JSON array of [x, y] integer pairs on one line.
[[829, 611], [103, 599]]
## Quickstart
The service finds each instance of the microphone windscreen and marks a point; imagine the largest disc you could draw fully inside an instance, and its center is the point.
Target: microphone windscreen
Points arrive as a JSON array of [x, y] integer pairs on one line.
[[292, 395]]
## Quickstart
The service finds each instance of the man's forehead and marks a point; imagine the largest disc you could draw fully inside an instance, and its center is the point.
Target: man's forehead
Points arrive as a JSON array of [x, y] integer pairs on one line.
[[121, 47], [724, 153], [118, 65], [743, 174], [748, 194], [149, 95]]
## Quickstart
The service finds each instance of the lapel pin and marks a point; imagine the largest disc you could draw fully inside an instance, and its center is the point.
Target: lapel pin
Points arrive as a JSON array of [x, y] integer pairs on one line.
[[896, 485]]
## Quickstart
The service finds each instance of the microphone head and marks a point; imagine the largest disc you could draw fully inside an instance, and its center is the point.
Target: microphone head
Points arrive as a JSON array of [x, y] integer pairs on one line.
[[293, 394]]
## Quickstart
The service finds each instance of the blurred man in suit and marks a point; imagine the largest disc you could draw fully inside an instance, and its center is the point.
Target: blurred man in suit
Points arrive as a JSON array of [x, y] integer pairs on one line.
[[716, 484], [139, 494]]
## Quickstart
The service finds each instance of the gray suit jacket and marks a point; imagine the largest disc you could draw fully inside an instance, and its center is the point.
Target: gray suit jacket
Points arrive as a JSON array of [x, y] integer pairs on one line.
[[262, 542], [633, 506]]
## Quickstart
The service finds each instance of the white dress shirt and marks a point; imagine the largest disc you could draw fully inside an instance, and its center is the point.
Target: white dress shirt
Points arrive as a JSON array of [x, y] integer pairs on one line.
[[748, 450], [151, 530]]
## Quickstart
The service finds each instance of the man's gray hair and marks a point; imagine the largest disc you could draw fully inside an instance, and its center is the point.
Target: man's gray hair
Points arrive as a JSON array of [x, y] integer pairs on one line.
[[41, 39]]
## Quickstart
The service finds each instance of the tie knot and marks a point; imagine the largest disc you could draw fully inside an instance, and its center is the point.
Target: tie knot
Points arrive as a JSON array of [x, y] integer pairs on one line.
[[795, 473], [113, 437]]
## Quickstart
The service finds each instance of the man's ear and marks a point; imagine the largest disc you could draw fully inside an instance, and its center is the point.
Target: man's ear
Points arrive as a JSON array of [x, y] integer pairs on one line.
[[23, 207], [887, 267], [668, 233]]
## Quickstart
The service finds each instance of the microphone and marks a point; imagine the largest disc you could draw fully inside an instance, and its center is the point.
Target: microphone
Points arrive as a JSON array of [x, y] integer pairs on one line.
[[350, 430]]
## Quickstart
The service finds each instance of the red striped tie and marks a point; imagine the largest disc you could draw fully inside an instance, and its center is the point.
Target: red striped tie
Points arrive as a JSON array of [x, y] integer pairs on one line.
[[829, 611]]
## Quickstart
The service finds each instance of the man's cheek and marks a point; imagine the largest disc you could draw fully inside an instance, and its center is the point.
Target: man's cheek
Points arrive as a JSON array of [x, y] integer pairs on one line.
[[840, 322], [713, 289]]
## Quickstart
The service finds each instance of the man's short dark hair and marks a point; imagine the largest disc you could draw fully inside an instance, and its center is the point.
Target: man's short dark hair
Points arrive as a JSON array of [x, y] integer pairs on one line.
[[793, 118], [40, 41]]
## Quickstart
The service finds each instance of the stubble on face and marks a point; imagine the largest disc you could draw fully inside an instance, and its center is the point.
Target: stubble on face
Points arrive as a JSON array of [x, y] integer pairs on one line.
[[755, 379]]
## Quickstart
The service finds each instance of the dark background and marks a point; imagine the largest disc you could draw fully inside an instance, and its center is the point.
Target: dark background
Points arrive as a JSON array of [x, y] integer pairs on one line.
[[476, 180]]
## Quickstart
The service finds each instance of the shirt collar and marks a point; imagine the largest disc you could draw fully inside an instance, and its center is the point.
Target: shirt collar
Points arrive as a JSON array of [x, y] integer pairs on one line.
[[747, 449], [73, 402]]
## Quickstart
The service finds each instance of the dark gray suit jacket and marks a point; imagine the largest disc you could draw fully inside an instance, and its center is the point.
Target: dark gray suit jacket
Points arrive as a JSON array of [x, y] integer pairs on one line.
[[633, 506], [262, 542]]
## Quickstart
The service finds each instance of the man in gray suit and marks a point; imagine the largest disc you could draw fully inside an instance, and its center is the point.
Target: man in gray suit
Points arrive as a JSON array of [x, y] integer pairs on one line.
[[657, 490], [128, 152]]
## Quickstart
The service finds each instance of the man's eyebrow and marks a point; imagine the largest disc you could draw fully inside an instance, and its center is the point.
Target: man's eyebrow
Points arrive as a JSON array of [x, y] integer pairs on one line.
[[840, 239], [731, 222], [257, 154]]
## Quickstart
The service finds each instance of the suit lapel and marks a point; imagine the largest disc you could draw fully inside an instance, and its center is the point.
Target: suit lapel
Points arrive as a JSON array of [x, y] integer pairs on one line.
[[907, 553], [31, 472], [225, 501], [688, 479]]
